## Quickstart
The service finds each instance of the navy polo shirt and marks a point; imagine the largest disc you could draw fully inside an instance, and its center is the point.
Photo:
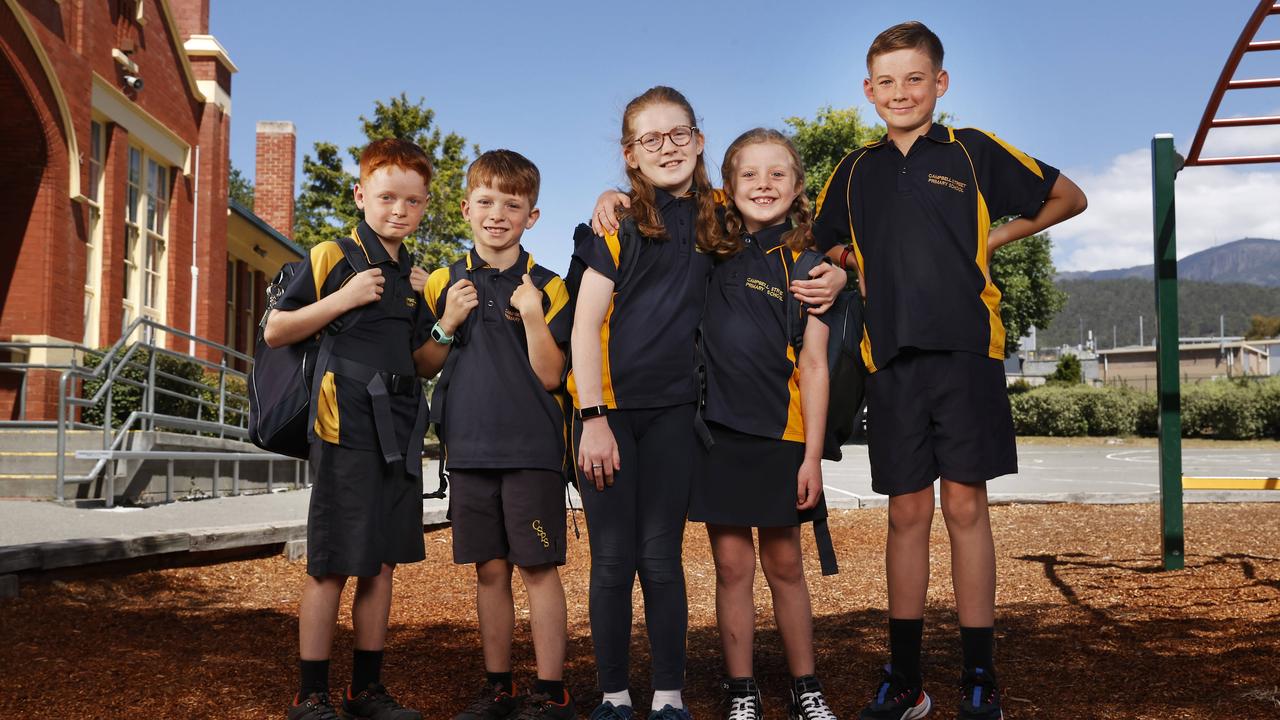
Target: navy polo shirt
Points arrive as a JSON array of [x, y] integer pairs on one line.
[[498, 415], [918, 225], [647, 339], [384, 337], [753, 384]]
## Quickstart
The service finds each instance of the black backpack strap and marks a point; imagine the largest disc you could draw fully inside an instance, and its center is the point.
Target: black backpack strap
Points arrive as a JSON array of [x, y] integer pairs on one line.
[[457, 271], [793, 309], [355, 257], [826, 551]]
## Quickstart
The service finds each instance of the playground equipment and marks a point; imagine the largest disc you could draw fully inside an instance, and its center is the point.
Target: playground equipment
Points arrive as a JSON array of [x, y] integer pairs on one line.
[[1165, 164]]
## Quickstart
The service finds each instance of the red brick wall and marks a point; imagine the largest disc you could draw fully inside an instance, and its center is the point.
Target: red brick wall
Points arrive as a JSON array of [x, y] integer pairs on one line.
[[192, 16], [273, 175]]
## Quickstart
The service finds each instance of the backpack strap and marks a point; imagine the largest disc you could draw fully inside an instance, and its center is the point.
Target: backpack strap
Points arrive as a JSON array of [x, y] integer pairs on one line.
[[793, 309], [440, 396], [356, 259]]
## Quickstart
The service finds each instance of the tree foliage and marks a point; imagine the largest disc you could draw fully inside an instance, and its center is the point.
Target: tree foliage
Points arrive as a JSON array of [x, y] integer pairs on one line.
[[1068, 371], [1023, 271], [1262, 327], [239, 188], [326, 207]]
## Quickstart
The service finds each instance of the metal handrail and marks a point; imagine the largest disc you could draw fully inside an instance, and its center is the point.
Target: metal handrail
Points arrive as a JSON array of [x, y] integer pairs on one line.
[[112, 363]]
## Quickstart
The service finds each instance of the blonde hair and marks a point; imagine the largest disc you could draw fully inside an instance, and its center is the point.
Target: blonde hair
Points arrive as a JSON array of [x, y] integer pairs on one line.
[[800, 236]]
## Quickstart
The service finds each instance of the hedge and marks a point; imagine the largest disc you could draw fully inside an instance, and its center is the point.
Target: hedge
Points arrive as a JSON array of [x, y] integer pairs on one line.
[[126, 398], [1222, 409]]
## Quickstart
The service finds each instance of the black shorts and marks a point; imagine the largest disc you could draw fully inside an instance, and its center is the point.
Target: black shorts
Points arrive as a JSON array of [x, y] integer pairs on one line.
[[938, 414], [749, 481], [517, 515], [364, 513]]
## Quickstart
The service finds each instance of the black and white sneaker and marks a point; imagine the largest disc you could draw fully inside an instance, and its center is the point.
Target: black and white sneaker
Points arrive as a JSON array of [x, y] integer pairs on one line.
[[807, 701], [742, 699]]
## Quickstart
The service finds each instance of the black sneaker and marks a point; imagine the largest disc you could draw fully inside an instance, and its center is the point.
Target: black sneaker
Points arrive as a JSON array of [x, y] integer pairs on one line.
[[807, 701], [894, 700], [539, 706], [979, 696], [316, 706], [373, 703], [742, 699], [494, 702]]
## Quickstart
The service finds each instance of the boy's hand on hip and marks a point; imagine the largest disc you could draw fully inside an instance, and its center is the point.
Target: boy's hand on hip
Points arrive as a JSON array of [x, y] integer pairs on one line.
[[809, 484], [598, 452], [365, 287], [461, 299], [527, 299], [418, 278]]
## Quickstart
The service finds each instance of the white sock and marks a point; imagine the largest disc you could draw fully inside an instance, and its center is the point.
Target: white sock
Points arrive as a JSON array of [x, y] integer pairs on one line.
[[618, 699], [667, 697]]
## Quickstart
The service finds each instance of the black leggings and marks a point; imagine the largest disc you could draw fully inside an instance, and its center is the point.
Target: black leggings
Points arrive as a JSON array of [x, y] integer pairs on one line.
[[637, 526]]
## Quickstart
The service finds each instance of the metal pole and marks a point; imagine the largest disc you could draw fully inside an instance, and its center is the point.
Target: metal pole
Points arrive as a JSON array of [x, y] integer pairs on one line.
[[1165, 164]]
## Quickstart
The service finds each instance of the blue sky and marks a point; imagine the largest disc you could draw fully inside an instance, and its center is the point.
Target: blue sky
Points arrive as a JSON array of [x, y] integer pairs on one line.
[[1082, 85]]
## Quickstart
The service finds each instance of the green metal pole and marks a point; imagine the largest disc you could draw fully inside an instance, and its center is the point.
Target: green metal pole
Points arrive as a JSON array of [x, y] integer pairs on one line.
[[1165, 164]]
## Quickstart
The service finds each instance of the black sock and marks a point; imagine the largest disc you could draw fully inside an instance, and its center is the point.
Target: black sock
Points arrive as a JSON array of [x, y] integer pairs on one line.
[[553, 689], [314, 677], [977, 644], [366, 669], [904, 648], [503, 679]]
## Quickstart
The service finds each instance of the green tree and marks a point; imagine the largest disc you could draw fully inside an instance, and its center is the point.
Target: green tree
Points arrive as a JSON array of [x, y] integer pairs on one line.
[[239, 188], [1023, 271], [326, 207], [1068, 371]]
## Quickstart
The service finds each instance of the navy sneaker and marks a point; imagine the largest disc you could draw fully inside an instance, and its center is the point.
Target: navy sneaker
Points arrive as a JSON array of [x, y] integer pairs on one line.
[[979, 696], [670, 713], [609, 711], [742, 698], [807, 700], [895, 700], [373, 703]]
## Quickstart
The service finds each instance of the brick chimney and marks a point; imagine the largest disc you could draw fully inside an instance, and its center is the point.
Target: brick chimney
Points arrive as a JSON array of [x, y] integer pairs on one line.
[[273, 175], [192, 16]]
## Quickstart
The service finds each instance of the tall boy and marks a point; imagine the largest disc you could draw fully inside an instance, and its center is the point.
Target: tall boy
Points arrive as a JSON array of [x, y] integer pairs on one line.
[[366, 502], [503, 431], [912, 213]]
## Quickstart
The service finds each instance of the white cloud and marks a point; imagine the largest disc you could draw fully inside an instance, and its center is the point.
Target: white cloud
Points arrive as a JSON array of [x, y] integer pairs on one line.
[[1215, 204]]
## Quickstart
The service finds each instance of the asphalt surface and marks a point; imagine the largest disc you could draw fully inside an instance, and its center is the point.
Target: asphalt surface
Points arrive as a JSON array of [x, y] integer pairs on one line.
[[1050, 472]]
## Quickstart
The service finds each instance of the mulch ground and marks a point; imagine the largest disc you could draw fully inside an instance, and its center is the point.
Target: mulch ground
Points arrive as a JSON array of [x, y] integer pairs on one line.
[[1088, 627]]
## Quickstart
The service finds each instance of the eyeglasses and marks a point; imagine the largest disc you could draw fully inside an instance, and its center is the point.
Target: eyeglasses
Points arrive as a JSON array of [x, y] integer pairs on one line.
[[652, 141]]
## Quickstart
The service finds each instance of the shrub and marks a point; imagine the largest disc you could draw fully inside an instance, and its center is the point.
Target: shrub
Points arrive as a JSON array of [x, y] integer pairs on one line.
[[1068, 371], [1269, 398], [1050, 411], [127, 397], [1222, 409], [1019, 386], [1108, 411]]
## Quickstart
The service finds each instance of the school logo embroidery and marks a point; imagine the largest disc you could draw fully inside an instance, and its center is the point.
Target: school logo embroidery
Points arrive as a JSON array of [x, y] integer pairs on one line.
[[946, 182], [512, 314], [542, 534], [764, 287], [411, 301]]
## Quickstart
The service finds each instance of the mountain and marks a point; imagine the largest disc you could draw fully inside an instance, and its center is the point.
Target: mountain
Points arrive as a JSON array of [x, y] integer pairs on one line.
[[1253, 261]]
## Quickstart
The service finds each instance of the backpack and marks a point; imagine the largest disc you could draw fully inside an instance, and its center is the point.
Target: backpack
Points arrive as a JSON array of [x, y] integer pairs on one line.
[[284, 380], [439, 396], [846, 390]]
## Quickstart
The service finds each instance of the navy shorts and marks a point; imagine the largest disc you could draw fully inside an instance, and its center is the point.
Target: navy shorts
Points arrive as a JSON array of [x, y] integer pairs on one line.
[[934, 414], [516, 515], [364, 513]]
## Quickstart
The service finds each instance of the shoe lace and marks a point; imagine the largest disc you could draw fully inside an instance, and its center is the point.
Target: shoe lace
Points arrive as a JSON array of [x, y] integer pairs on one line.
[[977, 687], [892, 688], [534, 706], [607, 711], [377, 695], [321, 708], [743, 707], [671, 713], [815, 706], [488, 698]]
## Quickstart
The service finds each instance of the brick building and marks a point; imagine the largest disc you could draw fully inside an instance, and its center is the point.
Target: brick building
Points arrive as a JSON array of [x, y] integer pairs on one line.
[[115, 173]]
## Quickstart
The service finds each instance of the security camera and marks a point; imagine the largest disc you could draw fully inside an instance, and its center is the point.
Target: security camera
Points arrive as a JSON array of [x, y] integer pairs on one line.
[[133, 81]]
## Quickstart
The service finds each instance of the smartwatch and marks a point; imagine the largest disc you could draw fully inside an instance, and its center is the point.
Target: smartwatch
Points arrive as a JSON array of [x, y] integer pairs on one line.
[[594, 411], [438, 334]]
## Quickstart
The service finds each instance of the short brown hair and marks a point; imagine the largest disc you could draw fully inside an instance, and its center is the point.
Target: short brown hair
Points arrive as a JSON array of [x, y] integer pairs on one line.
[[506, 171], [394, 152], [913, 35]]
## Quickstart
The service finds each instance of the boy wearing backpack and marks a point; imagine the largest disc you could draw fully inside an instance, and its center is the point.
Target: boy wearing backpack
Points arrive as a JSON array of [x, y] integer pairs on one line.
[[365, 515], [504, 322]]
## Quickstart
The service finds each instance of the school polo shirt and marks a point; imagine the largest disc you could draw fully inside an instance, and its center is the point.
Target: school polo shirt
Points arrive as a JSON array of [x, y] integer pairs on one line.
[[753, 384], [647, 339], [918, 226], [498, 415], [384, 337]]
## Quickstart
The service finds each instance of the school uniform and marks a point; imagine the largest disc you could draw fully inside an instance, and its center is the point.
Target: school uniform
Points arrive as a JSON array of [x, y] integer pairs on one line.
[[365, 462], [933, 340], [649, 380], [748, 476], [504, 433]]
